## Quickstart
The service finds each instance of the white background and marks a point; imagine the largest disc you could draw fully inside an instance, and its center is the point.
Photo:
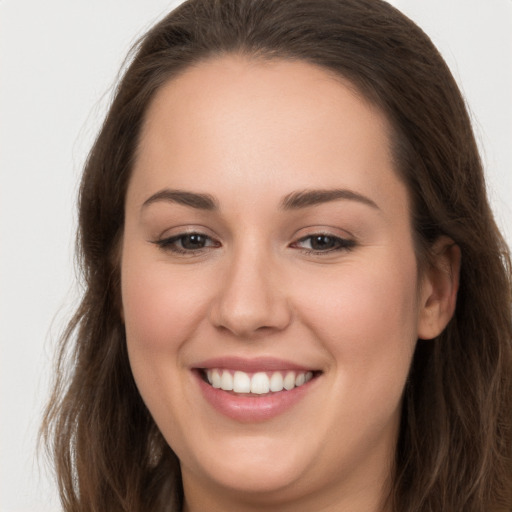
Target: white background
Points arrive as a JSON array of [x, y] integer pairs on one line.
[[58, 61]]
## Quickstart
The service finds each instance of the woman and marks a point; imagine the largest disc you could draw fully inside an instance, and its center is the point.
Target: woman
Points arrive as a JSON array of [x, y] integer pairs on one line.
[[296, 295]]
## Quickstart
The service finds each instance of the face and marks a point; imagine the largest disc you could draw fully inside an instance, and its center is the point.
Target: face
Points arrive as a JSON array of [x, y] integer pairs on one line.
[[270, 289]]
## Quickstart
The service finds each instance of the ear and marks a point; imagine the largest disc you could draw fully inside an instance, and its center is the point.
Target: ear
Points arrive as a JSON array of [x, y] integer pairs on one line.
[[439, 286]]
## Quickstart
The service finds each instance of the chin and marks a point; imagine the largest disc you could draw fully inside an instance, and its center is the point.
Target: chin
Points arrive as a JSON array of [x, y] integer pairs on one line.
[[259, 466]]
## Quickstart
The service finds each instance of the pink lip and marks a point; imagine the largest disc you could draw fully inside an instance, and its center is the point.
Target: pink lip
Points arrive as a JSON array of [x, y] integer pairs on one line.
[[258, 364], [251, 409]]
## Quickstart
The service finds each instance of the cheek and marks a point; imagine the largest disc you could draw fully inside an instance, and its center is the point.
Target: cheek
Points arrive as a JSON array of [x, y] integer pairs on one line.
[[160, 307], [382, 306], [366, 318], [163, 308]]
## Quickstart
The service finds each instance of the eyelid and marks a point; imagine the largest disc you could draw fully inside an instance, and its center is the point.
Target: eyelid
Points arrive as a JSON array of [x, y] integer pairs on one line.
[[344, 241], [313, 230], [170, 241], [341, 244], [184, 229], [167, 242]]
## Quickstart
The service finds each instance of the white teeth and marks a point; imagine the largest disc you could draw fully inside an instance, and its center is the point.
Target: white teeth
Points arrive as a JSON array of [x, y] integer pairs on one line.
[[300, 379], [289, 381], [259, 383], [241, 382], [276, 382], [216, 380], [226, 382]]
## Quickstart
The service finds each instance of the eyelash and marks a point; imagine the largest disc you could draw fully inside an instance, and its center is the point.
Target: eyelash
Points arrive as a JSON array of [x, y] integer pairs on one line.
[[340, 244], [171, 244]]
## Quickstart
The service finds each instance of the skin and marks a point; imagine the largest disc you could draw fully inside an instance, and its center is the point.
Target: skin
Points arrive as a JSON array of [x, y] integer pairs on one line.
[[250, 133]]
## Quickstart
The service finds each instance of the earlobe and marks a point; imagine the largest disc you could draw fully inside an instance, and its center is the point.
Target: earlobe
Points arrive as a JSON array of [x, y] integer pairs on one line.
[[439, 288]]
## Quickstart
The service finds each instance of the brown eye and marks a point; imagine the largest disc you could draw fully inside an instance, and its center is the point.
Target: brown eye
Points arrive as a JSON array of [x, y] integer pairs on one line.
[[187, 243], [324, 243], [193, 241]]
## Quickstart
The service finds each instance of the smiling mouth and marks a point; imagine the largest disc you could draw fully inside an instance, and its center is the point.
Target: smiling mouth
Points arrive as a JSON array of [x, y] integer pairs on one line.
[[257, 383]]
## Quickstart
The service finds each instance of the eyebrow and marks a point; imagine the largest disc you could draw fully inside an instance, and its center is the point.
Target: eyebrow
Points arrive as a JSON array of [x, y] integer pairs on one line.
[[193, 199], [306, 198], [294, 201]]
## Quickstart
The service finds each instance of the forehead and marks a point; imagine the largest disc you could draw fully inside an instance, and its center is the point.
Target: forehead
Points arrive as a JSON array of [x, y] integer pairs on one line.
[[278, 90], [242, 123]]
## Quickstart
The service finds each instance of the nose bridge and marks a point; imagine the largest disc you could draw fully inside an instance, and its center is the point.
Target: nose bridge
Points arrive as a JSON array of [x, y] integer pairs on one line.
[[251, 298]]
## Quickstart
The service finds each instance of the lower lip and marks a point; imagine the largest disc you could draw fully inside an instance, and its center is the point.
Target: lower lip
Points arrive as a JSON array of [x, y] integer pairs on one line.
[[245, 409]]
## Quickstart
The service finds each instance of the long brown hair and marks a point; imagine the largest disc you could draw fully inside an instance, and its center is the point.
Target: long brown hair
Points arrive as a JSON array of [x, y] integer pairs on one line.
[[454, 451]]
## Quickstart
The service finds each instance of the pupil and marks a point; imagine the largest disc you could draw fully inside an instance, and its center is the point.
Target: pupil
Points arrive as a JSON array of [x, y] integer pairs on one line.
[[322, 242], [193, 242]]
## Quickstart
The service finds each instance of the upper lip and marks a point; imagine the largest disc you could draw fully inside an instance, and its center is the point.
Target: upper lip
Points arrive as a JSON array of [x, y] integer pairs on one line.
[[257, 364]]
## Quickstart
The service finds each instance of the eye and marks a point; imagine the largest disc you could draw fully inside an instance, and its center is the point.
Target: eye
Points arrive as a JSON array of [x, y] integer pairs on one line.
[[187, 243], [323, 243]]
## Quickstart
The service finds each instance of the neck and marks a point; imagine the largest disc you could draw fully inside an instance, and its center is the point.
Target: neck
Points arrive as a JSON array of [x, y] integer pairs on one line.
[[369, 496]]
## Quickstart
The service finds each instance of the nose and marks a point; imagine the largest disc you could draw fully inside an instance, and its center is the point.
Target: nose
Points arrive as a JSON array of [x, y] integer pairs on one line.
[[251, 299]]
